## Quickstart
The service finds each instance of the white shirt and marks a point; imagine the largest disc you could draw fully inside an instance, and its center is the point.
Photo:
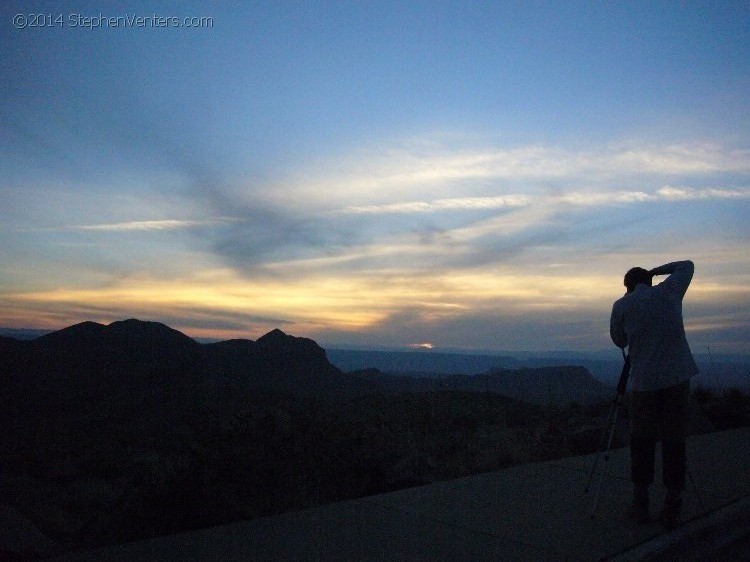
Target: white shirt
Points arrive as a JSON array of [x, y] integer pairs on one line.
[[649, 322]]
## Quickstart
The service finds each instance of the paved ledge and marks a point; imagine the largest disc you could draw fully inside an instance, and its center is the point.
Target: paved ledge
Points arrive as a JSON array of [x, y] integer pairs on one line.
[[530, 512], [704, 538]]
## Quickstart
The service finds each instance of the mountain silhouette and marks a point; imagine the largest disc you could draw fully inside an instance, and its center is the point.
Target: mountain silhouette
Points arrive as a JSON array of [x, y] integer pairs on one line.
[[276, 363], [134, 345], [133, 361], [150, 372]]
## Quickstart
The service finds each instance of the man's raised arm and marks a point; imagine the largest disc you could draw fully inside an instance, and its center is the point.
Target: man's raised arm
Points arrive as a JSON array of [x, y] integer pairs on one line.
[[680, 274]]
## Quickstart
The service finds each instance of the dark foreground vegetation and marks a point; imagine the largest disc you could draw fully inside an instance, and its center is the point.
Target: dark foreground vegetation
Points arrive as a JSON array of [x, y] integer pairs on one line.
[[154, 459]]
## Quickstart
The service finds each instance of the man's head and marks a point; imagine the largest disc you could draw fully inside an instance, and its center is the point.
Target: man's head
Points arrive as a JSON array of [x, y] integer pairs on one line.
[[635, 276]]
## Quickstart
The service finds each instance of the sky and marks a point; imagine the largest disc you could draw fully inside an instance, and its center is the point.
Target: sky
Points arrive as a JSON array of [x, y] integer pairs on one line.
[[461, 175]]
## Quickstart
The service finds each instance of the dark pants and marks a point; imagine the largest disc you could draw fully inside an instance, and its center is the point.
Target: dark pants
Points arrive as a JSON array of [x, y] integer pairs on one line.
[[661, 413]]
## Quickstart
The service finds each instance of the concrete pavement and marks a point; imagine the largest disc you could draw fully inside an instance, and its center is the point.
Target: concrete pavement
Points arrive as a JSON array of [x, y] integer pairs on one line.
[[530, 512]]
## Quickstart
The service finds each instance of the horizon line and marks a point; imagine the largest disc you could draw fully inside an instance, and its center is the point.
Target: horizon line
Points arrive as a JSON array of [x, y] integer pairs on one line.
[[33, 333]]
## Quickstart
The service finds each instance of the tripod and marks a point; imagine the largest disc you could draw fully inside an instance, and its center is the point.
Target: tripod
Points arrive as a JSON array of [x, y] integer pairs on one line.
[[609, 428]]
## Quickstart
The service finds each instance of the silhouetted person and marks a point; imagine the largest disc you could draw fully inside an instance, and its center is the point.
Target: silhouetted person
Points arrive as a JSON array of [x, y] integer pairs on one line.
[[648, 320]]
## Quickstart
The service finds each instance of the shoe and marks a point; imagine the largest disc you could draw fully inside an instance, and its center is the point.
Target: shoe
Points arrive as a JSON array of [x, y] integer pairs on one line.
[[639, 514], [670, 513], [638, 511]]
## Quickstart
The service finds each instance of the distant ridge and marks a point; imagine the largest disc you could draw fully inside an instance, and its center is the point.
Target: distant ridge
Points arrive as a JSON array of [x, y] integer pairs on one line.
[[543, 385], [23, 333], [131, 361], [425, 362]]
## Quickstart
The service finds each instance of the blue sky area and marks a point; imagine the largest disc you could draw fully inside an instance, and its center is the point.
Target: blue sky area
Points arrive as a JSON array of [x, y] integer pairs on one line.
[[473, 175]]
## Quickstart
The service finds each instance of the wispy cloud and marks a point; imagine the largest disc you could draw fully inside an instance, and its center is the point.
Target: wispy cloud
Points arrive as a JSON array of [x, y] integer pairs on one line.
[[456, 204], [139, 226], [424, 176], [167, 224], [575, 198], [671, 193], [427, 207]]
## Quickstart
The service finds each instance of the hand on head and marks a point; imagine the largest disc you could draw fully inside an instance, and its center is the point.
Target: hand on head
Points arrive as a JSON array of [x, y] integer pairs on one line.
[[636, 276]]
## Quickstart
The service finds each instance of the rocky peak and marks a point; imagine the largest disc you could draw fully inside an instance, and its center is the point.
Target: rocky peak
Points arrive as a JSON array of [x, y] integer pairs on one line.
[[277, 341]]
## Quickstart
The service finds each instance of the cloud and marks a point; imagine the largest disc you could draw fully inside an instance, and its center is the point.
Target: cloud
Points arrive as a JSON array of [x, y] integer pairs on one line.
[[426, 172], [506, 206], [670, 193], [167, 224], [431, 206], [573, 198], [456, 204]]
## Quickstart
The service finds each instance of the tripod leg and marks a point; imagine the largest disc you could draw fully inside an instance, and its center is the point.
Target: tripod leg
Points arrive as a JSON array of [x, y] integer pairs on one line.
[[605, 429], [697, 493], [606, 460]]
